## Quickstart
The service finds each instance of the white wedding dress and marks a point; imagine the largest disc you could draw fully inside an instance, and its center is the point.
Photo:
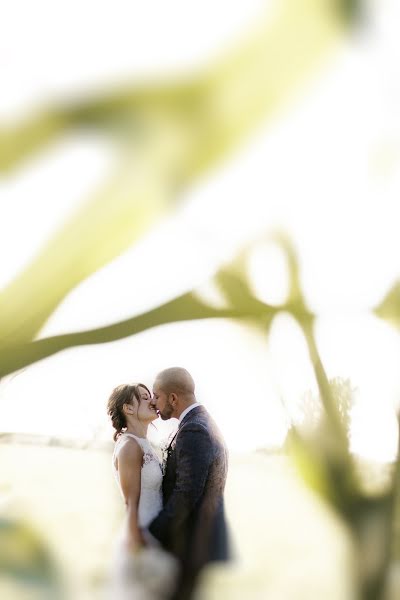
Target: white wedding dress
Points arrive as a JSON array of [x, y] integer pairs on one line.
[[150, 502], [149, 575]]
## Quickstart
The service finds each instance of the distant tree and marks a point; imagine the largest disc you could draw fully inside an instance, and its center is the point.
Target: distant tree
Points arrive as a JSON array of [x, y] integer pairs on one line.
[[311, 411], [345, 396]]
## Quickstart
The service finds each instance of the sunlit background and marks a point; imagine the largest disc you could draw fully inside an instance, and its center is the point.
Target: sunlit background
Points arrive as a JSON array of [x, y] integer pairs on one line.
[[324, 171]]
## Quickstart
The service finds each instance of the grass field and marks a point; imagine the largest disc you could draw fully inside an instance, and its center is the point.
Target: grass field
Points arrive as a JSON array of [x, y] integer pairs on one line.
[[288, 545]]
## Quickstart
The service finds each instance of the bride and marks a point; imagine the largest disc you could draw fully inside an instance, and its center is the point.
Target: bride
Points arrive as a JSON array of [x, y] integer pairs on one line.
[[141, 569]]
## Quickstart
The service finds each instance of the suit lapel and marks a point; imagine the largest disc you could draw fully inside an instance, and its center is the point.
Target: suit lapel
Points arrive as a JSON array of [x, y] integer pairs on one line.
[[172, 439], [185, 419], [192, 413], [169, 463]]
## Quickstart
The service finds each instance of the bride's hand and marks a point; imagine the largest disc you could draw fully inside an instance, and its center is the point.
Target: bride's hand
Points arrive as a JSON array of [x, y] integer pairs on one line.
[[134, 544]]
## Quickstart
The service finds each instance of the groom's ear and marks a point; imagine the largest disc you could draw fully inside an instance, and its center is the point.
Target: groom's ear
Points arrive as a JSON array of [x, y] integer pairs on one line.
[[173, 398]]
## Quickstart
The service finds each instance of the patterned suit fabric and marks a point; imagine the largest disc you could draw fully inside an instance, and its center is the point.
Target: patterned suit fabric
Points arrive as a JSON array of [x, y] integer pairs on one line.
[[192, 524]]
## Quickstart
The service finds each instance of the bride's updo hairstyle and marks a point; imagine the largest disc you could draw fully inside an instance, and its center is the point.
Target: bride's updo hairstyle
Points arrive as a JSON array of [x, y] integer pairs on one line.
[[122, 394]]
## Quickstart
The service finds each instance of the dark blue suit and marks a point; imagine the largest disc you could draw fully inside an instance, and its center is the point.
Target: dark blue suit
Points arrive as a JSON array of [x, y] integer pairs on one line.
[[192, 523]]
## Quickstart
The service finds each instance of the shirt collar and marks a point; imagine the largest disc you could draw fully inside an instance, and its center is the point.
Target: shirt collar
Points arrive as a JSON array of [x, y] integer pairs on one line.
[[187, 410]]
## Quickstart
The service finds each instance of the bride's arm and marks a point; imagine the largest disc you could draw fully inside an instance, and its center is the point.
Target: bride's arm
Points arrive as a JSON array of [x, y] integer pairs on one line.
[[130, 467]]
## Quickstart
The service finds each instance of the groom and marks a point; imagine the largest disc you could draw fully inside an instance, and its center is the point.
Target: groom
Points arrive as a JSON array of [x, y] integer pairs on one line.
[[192, 523]]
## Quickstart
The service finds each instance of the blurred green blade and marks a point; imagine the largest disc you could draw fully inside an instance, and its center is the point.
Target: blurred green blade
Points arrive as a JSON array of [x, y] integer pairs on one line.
[[389, 308], [27, 561], [265, 72], [183, 308], [172, 132], [351, 10], [28, 137], [297, 306], [101, 230], [218, 107], [310, 465]]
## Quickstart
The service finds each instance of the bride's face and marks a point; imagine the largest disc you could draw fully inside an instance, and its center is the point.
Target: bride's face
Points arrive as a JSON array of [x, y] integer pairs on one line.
[[146, 412]]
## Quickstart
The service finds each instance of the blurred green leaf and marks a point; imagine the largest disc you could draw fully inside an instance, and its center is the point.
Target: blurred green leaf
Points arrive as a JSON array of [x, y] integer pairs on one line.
[[311, 465], [351, 10], [240, 305], [296, 302], [325, 466], [28, 137], [216, 108], [101, 229], [170, 133], [389, 308], [297, 306], [24, 558], [325, 391]]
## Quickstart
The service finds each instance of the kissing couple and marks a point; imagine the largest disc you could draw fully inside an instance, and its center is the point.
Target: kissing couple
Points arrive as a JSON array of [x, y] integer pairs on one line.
[[175, 522]]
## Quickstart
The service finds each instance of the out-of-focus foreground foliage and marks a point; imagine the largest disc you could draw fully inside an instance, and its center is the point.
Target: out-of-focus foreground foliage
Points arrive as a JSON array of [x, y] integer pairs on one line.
[[166, 135], [27, 568]]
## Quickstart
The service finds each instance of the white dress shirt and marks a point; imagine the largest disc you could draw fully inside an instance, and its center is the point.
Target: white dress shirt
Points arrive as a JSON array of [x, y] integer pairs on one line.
[[187, 410]]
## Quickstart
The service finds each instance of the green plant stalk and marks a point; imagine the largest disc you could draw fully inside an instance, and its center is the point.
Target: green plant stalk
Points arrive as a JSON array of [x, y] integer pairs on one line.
[[184, 308]]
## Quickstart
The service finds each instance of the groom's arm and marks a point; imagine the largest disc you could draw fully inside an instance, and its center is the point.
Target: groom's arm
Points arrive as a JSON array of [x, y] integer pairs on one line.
[[193, 458]]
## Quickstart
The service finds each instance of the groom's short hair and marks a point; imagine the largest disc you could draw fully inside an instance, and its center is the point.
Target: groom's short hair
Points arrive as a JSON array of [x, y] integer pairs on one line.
[[176, 380]]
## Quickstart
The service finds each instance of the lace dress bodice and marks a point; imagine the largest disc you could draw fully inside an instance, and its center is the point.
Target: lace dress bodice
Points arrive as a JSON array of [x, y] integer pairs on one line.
[[150, 502]]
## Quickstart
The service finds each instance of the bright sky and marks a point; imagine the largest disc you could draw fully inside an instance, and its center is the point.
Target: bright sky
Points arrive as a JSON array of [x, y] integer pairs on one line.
[[326, 171]]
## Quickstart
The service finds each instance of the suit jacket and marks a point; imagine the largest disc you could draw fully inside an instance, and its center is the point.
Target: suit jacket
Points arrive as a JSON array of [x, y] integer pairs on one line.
[[192, 523]]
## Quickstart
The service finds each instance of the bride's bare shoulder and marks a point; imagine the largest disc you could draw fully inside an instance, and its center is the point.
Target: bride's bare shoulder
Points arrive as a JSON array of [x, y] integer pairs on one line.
[[129, 453]]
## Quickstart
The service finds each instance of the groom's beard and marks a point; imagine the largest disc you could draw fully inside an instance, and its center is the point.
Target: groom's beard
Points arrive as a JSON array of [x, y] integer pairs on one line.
[[167, 412]]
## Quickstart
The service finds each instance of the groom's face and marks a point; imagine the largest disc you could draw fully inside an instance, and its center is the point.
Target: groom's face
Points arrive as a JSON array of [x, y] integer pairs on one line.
[[162, 403]]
